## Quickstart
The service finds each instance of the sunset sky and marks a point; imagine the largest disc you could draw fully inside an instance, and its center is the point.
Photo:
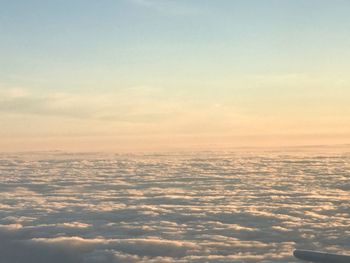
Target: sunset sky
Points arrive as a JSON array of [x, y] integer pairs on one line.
[[134, 75]]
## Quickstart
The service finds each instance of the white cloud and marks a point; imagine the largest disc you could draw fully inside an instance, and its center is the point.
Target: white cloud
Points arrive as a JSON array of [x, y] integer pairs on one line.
[[169, 7], [137, 104], [206, 207]]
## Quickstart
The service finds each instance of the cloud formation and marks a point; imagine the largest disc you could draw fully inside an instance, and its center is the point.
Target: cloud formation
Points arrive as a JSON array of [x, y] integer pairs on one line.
[[206, 207], [130, 105], [168, 7]]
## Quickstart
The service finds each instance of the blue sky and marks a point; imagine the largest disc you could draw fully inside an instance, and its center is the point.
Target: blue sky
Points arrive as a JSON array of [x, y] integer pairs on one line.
[[174, 68]]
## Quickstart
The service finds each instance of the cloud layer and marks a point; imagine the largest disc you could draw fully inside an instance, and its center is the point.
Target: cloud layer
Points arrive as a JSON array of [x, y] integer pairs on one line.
[[135, 104], [171, 208]]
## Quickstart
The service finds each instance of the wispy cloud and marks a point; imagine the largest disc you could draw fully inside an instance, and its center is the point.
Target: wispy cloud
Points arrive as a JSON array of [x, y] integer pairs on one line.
[[170, 7], [135, 104]]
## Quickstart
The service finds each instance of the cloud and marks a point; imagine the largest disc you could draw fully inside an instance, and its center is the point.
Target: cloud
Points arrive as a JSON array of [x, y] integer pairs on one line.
[[137, 104], [168, 7], [202, 207]]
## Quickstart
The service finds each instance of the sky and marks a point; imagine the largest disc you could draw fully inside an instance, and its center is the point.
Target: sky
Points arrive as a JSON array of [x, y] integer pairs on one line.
[[137, 75]]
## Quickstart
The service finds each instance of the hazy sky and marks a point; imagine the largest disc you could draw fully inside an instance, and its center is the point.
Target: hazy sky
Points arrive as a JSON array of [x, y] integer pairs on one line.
[[164, 74]]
